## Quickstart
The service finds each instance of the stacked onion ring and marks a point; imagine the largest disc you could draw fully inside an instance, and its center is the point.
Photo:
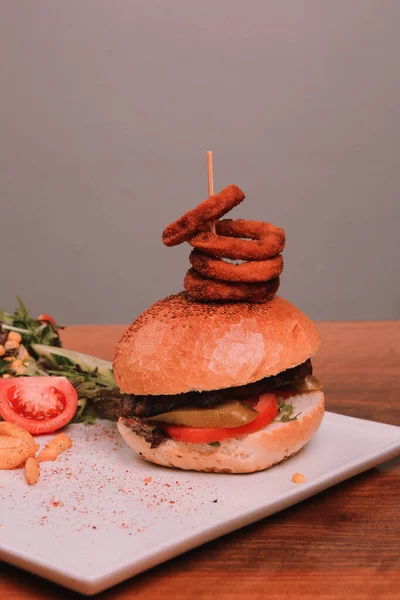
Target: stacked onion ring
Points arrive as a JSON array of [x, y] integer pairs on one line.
[[212, 278]]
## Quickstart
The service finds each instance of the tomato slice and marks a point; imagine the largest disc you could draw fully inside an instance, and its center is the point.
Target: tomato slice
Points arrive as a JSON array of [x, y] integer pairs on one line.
[[267, 408], [38, 404]]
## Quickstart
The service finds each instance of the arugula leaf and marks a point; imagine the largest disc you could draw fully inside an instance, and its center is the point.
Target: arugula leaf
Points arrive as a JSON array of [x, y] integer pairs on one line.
[[21, 313], [32, 330], [5, 317], [31, 369], [4, 365]]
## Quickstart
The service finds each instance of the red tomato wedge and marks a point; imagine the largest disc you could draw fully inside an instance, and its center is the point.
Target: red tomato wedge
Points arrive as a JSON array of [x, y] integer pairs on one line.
[[267, 408], [47, 319], [38, 404]]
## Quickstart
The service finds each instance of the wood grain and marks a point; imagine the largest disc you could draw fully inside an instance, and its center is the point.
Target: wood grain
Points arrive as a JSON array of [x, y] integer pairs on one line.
[[343, 543]]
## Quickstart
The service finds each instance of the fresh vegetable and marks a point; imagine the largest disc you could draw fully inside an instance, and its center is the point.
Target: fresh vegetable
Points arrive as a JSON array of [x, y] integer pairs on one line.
[[38, 404], [266, 407], [32, 331], [229, 414], [32, 348], [60, 357], [47, 319], [93, 379]]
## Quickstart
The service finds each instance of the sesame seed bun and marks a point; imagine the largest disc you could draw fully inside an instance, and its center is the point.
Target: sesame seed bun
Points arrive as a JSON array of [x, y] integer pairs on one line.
[[179, 345], [244, 454]]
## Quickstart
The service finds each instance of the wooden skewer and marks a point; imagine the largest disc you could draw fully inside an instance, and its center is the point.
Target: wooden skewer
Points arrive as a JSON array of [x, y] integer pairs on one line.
[[210, 183], [210, 173]]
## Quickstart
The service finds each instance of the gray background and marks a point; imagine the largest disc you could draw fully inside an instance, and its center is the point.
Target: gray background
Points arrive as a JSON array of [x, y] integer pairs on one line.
[[108, 107]]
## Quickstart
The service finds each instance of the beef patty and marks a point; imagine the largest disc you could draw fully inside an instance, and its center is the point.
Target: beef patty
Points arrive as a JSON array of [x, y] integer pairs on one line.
[[150, 406]]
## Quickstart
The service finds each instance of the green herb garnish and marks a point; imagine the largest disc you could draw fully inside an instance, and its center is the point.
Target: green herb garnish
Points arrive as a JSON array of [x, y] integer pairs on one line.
[[286, 412]]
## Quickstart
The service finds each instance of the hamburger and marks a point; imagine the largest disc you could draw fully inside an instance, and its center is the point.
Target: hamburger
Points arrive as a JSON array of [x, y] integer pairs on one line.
[[219, 377], [218, 387]]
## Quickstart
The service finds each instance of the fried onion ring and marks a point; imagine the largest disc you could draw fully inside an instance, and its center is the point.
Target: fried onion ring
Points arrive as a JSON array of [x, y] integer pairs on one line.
[[253, 271], [256, 243], [209, 210], [266, 240], [200, 288]]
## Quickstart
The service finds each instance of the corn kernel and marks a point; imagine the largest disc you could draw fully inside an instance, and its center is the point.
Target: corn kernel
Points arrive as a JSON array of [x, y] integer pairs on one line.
[[23, 353], [11, 345], [6, 376], [2, 350], [14, 336], [20, 370], [16, 364]]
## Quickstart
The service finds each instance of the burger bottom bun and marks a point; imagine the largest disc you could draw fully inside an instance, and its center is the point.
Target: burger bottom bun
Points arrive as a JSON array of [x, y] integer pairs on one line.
[[244, 454]]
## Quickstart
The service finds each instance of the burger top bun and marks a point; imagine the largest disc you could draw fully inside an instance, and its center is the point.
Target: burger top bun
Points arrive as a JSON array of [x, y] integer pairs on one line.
[[180, 345]]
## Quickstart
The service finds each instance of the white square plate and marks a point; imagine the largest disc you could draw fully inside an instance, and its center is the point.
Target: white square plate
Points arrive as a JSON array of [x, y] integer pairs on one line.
[[93, 520]]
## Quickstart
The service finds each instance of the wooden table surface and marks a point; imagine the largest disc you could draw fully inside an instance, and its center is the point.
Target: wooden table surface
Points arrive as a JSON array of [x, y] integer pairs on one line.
[[342, 543]]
